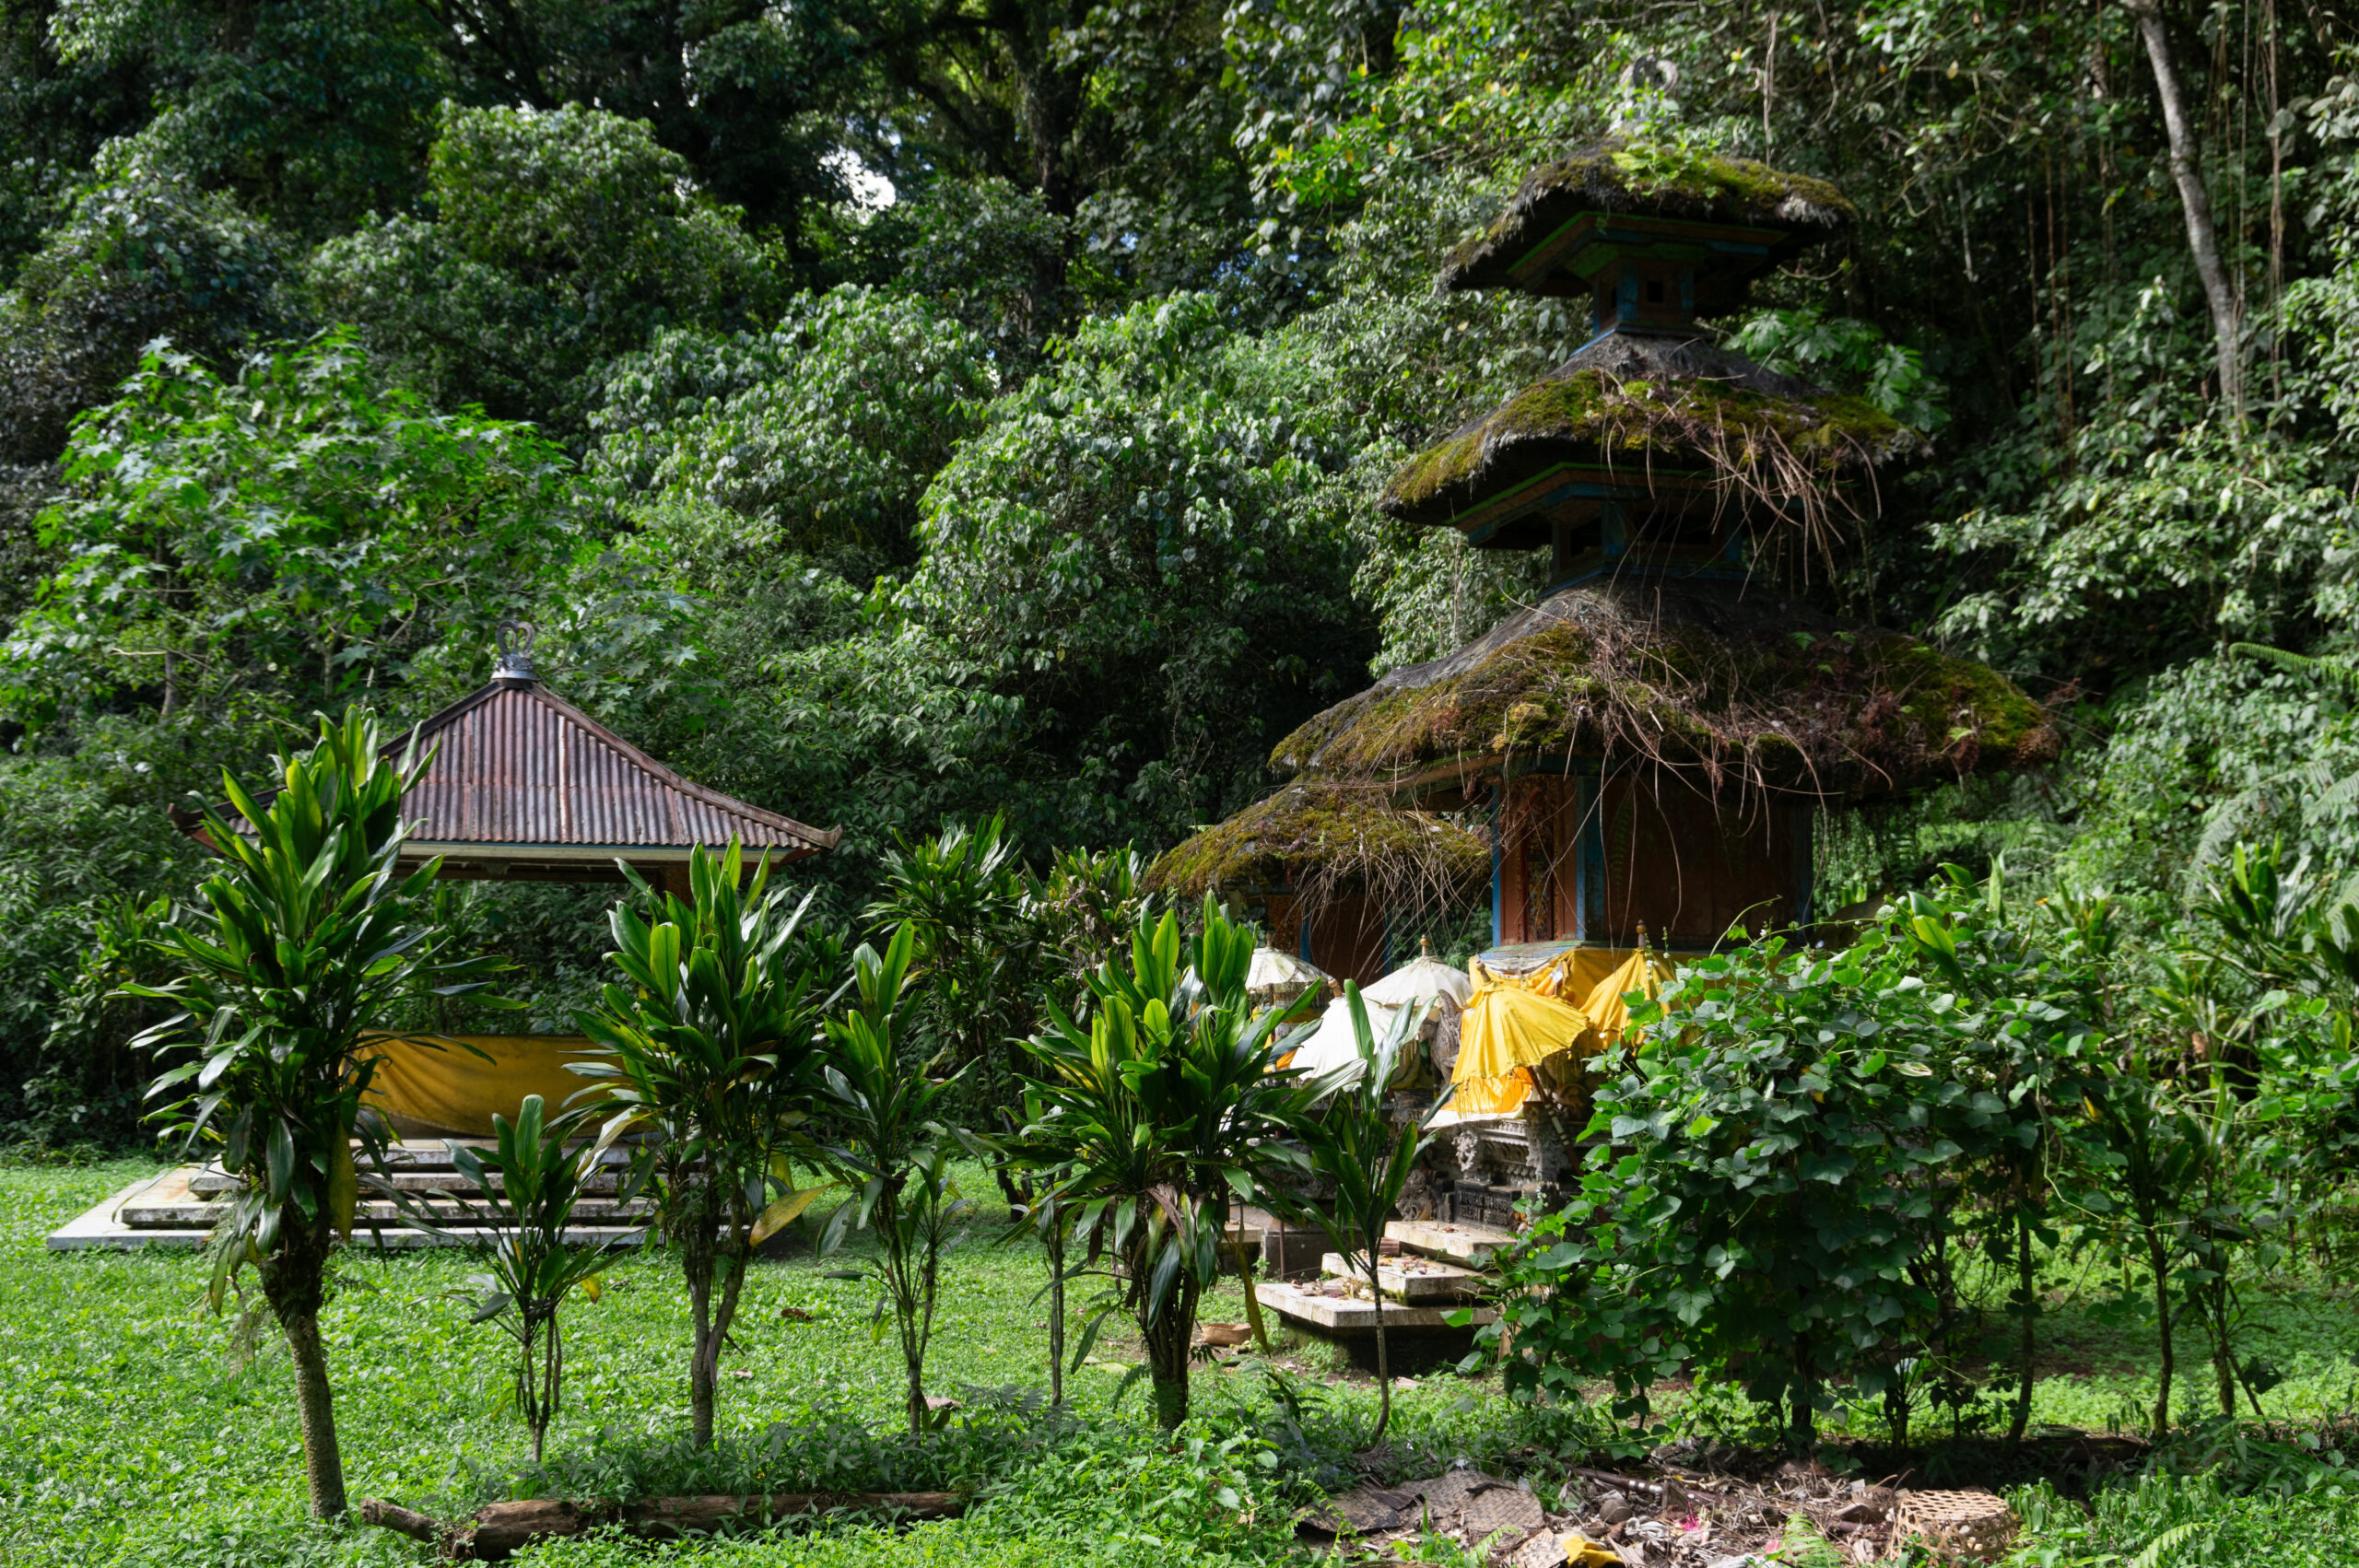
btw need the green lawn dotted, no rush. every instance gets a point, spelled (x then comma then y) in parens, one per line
(139, 1438)
(137, 1434)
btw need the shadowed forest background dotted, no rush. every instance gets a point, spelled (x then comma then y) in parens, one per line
(896, 411)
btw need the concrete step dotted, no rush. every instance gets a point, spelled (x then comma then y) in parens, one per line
(420, 1164)
(212, 1182)
(1470, 1245)
(146, 1213)
(1348, 1315)
(174, 1221)
(1412, 1281)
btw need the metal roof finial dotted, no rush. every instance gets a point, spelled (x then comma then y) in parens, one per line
(514, 641)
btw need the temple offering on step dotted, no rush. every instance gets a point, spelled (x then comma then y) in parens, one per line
(1636, 763)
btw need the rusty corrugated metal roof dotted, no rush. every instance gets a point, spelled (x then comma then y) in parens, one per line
(515, 764)
(521, 776)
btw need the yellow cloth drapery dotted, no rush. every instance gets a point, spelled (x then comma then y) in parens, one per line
(1514, 1024)
(1574, 974)
(452, 1092)
(1606, 1010)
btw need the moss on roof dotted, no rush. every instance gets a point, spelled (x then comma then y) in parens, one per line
(1325, 833)
(1699, 677)
(1653, 179)
(1774, 444)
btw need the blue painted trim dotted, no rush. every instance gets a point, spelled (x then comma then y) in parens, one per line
(1498, 865)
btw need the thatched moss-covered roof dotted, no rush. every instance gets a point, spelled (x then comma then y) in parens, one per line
(1327, 834)
(1655, 414)
(1716, 679)
(1654, 182)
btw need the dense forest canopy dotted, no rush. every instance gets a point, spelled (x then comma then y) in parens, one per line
(890, 410)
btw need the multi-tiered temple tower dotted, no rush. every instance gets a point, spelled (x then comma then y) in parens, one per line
(1649, 744)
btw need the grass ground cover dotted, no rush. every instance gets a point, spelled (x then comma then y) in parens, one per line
(140, 1433)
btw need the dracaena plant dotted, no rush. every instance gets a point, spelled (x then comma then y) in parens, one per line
(1359, 1151)
(519, 1223)
(708, 1063)
(1153, 1116)
(309, 936)
(883, 1143)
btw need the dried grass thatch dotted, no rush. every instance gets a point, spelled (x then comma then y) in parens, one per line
(1729, 686)
(1665, 416)
(1321, 838)
(1623, 176)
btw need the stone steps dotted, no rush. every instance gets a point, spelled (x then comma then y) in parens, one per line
(211, 1181)
(1331, 1316)
(178, 1209)
(1414, 1282)
(1432, 1284)
(1468, 1245)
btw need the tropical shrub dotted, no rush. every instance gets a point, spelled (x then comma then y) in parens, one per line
(308, 940)
(1364, 1156)
(1787, 1176)
(1151, 1117)
(528, 1185)
(960, 896)
(879, 1141)
(710, 1060)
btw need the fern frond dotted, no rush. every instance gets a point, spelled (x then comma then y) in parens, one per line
(2339, 671)
(2161, 1547)
(2338, 798)
(2229, 819)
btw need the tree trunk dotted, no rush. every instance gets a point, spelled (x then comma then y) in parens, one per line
(1168, 1340)
(2159, 1261)
(2187, 170)
(1383, 1363)
(323, 1463)
(1252, 1302)
(2027, 1334)
(913, 1336)
(704, 1355)
(1056, 1313)
(1802, 1437)
(2223, 1358)
(294, 1282)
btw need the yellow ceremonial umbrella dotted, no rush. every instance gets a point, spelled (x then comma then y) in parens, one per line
(1604, 1005)
(1508, 1030)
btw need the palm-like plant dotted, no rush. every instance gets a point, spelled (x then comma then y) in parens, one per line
(882, 1143)
(307, 941)
(1366, 1157)
(529, 1187)
(711, 1057)
(1151, 1117)
(959, 894)
(1085, 904)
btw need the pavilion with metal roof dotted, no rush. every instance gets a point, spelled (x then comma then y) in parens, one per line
(523, 786)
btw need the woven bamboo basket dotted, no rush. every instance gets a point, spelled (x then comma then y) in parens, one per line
(1970, 1523)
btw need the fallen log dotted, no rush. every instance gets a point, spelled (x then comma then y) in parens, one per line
(497, 1529)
